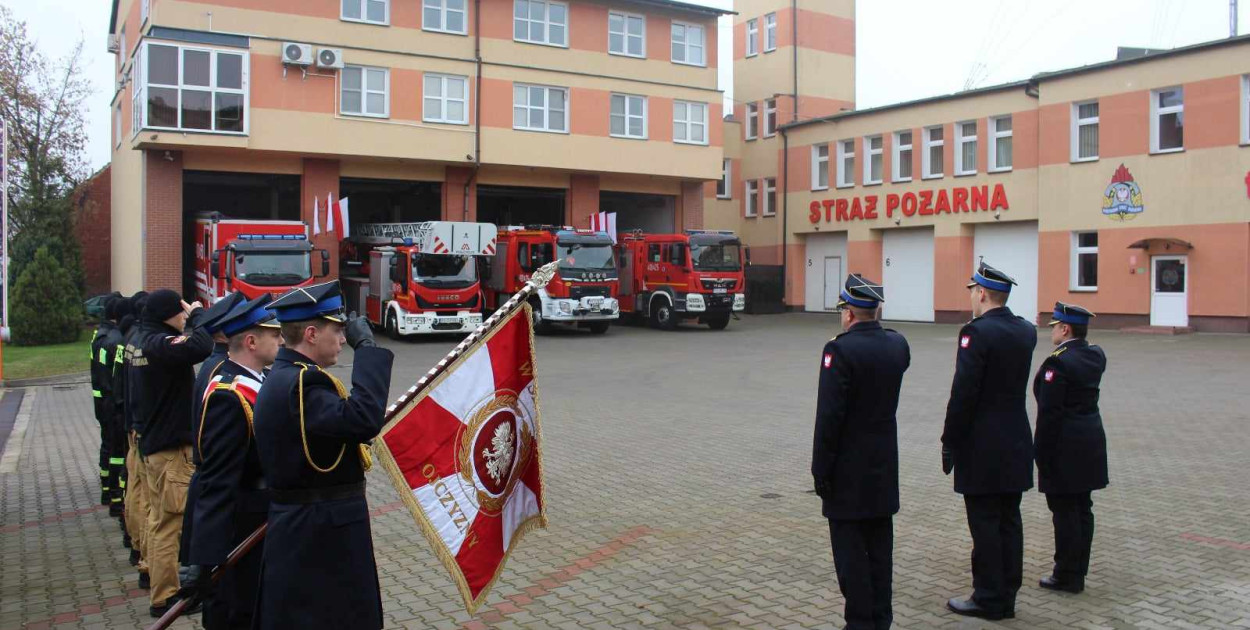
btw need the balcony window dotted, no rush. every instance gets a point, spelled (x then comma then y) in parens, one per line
(192, 89)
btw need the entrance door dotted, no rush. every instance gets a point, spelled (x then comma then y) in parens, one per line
(833, 281)
(1169, 297)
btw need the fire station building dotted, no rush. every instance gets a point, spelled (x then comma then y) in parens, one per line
(1123, 186)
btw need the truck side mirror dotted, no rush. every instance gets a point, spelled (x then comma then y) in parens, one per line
(325, 263)
(747, 253)
(214, 267)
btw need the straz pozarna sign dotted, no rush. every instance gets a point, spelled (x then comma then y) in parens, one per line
(925, 203)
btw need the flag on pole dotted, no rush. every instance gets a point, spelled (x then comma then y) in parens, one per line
(341, 218)
(329, 212)
(465, 452)
(316, 216)
(604, 222)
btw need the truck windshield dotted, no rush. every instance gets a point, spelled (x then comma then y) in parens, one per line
(272, 269)
(442, 270)
(715, 257)
(586, 257)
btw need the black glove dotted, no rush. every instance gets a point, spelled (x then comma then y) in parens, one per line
(821, 488)
(948, 461)
(197, 582)
(359, 334)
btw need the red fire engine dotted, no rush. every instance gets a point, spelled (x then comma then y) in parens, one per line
(584, 290)
(253, 257)
(671, 277)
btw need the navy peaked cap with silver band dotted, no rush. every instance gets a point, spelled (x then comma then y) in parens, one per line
(861, 292)
(249, 315)
(1070, 314)
(992, 279)
(304, 303)
(214, 314)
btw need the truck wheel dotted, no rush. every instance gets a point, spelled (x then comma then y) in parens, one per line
(536, 318)
(598, 328)
(392, 327)
(663, 316)
(717, 322)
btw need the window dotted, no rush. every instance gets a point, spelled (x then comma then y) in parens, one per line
(117, 124)
(688, 44)
(753, 121)
(626, 33)
(1000, 144)
(753, 197)
(629, 116)
(820, 167)
(966, 148)
(1084, 261)
(371, 11)
(540, 108)
(770, 197)
(444, 16)
(191, 89)
(770, 32)
(366, 92)
(446, 99)
(689, 122)
(540, 22)
(901, 161)
(1085, 131)
(770, 118)
(1167, 129)
(873, 159)
(846, 163)
(933, 161)
(1245, 109)
(137, 95)
(723, 187)
(753, 38)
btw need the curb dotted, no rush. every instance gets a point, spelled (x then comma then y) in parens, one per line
(58, 379)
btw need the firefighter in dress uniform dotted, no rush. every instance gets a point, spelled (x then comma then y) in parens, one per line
(101, 395)
(232, 500)
(1071, 444)
(311, 434)
(855, 452)
(988, 443)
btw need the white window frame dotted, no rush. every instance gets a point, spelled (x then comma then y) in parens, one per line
(1074, 276)
(546, 108)
(625, 18)
(870, 153)
(960, 141)
(689, 123)
(896, 154)
(546, 21)
(991, 150)
(1077, 123)
(753, 121)
(820, 166)
(702, 46)
(769, 119)
(1245, 109)
(770, 32)
(846, 174)
(627, 116)
(364, 13)
(753, 37)
(443, 99)
(365, 92)
(441, 7)
(750, 209)
(726, 179)
(1157, 113)
(769, 198)
(139, 102)
(926, 167)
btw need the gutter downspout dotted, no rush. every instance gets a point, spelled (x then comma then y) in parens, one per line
(477, 105)
(794, 44)
(785, 215)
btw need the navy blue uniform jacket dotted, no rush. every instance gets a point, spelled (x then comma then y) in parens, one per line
(1071, 444)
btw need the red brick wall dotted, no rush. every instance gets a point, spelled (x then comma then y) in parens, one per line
(453, 195)
(582, 202)
(93, 202)
(691, 206)
(321, 178)
(162, 240)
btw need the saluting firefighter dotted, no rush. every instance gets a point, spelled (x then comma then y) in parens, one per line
(1071, 444)
(319, 570)
(988, 442)
(855, 452)
(232, 500)
(101, 394)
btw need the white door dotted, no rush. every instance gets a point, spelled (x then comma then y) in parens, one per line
(1169, 297)
(816, 279)
(907, 273)
(1012, 249)
(833, 281)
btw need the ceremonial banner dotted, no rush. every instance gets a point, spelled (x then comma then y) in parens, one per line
(465, 452)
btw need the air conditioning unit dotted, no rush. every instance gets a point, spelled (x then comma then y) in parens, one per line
(330, 58)
(297, 54)
(114, 44)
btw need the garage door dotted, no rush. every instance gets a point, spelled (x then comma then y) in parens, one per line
(1012, 248)
(907, 267)
(824, 271)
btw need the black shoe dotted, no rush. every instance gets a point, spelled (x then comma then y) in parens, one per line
(1053, 583)
(145, 581)
(969, 608)
(134, 557)
(159, 611)
(116, 510)
(126, 541)
(105, 499)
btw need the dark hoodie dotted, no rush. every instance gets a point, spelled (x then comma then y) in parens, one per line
(165, 359)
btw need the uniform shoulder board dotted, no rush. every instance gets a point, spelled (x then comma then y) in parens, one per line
(1058, 352)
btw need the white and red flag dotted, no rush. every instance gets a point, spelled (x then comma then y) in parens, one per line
(465, 452)
(337, 215)
(604, 222)
(316, 216)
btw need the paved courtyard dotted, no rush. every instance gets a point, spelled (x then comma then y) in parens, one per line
(677, 481)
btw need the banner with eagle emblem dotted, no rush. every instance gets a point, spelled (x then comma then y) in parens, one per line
(464, 452)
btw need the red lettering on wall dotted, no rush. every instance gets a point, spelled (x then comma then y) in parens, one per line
(909, 198)
(828, 203)
(922, 202)
(943, 203)
(870, 207)
(841, 210)
(856, 211)
(960, 196)
(891, 202)
(980, 195)
(814, 214)
(999, 202)
(926, 203)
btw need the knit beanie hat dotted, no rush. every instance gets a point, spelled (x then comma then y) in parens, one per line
(162, 305)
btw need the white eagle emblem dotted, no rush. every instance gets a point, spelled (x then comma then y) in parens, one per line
(499, 456)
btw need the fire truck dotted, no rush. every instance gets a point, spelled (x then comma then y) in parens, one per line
(425, 281)
(583, 292)
(253, 257)
(671, 277)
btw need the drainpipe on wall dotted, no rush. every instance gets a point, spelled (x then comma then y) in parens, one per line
(785, 215)
(794, 44)
(477, 105)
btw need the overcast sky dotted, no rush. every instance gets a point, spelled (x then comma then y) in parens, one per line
(938, 48)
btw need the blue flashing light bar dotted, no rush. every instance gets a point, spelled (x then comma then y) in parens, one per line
(271, 237)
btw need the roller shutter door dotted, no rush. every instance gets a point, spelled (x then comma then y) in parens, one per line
(907, 267)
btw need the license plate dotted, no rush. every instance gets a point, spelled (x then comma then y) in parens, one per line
(449, 320)
(719, 291)
(596, 302)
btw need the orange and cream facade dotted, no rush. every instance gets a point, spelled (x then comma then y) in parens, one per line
(1122, 186)
(505, 111)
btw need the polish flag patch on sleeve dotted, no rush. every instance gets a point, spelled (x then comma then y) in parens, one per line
(965, 341)
(1049, 376)
(828, 360)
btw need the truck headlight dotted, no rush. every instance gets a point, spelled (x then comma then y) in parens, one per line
(694, 302)
(566, 308)
(740, 301)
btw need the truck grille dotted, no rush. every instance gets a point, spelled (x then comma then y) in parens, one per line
(578, 292)
(723, 283)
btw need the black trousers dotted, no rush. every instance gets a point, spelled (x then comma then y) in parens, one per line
(863, 555)
(1073, 516)
(997, 549)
